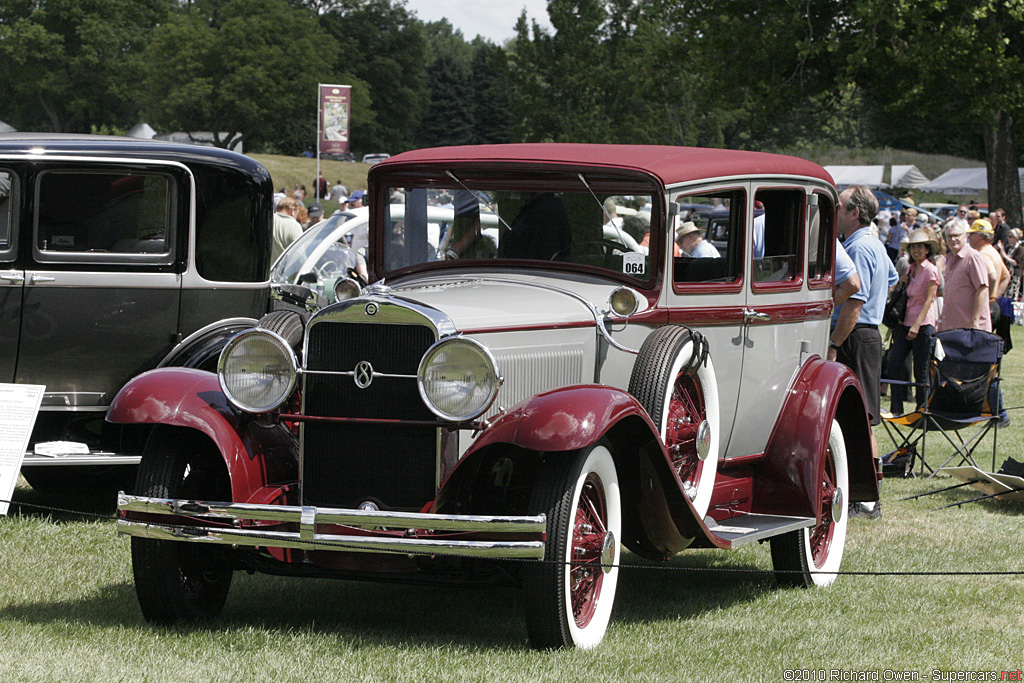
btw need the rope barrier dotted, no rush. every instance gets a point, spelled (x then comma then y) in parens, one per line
(662, 567)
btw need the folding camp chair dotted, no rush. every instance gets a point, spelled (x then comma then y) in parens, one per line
(963, 394)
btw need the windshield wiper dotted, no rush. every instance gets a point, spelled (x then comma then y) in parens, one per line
(607, 215)
(482, 198)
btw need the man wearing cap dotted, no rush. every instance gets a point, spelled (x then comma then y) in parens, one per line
(693, 244)
(855, 340)
(315, 213)
(965, 295)
(981, 235)
(355, 200)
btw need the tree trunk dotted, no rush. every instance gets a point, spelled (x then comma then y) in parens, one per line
(1001, 164)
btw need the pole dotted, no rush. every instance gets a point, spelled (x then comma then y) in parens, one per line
(319, 135)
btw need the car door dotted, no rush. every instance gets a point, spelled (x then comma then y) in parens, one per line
(12, 277)
(775, 334)
(708, 292)
(102, 287)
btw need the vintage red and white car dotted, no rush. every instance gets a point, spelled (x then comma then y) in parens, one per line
(520, 403)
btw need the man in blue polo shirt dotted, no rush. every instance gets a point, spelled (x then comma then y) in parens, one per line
(855, 340)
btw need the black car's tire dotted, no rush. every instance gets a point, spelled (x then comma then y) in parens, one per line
(680, 393)
(800, 558)
(569, 597)
(180, 580)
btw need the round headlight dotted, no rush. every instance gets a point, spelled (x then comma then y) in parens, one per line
(257, 370)
(458, 379)
(624, 302)
(346, 288)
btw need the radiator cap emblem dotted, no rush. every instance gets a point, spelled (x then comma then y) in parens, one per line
(371, 308)
(363, 374)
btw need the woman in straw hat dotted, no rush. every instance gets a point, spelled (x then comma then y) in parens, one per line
(915, 332)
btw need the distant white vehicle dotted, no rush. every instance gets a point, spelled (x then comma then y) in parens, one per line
(375, 158)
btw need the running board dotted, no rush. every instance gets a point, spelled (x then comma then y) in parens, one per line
(753, 527)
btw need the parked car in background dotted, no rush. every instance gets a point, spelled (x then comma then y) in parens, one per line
(939, 209)
(118, 256)
(518, 408)
(375, 158)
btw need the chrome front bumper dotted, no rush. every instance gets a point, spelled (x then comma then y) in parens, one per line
(418, 528)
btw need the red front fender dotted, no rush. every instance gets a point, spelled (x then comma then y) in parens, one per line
(563, 419)
(658, 518)
(255, 454)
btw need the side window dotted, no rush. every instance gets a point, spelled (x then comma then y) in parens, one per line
(820, 238)
(778, 233)
(6, 210)
(708, 231)
(104, 217)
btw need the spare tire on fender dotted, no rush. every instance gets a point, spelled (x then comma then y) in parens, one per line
(674, 380)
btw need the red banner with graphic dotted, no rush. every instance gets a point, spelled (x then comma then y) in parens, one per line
(335, 101)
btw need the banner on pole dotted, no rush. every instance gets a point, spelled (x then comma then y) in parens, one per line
(334, 118)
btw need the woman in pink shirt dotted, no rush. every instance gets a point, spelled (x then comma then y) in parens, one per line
(915, 334)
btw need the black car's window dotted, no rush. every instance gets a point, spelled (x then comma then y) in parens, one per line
(104, 217)
(6, 209)
(708, 233)
(777, 238)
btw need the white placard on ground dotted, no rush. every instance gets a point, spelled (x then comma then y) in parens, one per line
(19, 405)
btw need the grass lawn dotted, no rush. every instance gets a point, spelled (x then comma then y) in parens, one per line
(286, 171)
(68, 609)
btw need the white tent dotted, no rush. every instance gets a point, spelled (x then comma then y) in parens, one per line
(844, 176)
(907, 176)
(142, 130)
(7, 128)
(960, 181)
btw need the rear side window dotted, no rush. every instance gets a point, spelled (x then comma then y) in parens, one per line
(105, 217)
(820, 239)
(778, 236)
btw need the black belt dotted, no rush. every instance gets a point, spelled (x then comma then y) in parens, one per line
(861, 326)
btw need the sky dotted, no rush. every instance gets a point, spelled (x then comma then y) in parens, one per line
(492, 19)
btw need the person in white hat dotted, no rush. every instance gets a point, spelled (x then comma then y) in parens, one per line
(692, 242)
(914, 334)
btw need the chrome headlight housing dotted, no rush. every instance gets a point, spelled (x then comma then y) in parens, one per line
(257, 370)
(458, 379)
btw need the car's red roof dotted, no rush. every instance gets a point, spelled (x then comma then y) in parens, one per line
(670, 164)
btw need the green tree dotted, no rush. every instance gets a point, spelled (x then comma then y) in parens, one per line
(956, 63)
(381, 43)
(250, 67)
(69, 65)
(449, 116)
(491, 104)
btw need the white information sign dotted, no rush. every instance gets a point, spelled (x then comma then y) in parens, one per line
(19, 405)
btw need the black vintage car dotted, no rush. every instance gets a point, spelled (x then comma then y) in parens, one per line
(118, 256)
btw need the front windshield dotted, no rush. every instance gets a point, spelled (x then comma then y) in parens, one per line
(287, 268)
(549, 219)
(321, 256)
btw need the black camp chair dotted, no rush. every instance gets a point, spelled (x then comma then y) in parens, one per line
(963, 396)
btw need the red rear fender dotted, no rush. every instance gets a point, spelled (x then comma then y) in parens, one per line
(786, 482)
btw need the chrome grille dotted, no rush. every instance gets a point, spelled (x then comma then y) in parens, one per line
(345, 464)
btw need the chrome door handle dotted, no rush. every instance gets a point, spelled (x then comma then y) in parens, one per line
(13, 278)
(750, 316)
(41, 278)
